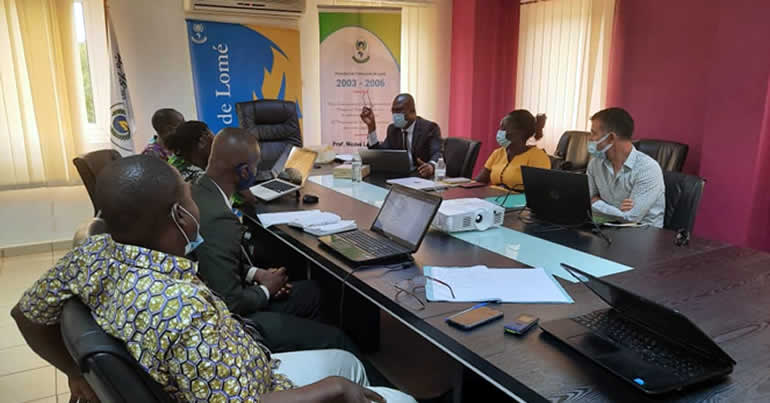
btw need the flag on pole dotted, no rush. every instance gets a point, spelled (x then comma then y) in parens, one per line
(121, 112)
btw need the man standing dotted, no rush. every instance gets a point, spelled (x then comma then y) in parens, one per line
(624, 183)
(419, 137)
(164, 121)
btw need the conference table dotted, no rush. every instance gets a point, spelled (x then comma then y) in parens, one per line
(724, 289)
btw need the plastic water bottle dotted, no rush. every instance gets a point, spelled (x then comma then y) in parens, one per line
(356, 176)
(440, 173)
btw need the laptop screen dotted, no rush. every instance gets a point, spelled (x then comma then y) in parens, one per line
(405, 215)
(671, 324)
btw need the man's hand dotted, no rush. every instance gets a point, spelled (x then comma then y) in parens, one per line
(626, 205)
(283, 292)
(273, 279)
(248, 197)
(80, 390)
(350, 392)
(367, 116)
(595, 199)
(424, 169)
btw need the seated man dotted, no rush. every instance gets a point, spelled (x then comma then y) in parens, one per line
(420, 137)
(624, 183)
(164, 121)
(153, 223)
(284, 312)
(190, 144)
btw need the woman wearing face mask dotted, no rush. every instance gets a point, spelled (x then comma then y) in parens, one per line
(503, 167)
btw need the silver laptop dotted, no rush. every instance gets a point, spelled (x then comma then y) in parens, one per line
(298, 158)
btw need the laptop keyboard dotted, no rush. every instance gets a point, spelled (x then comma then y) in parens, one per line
(278, 186)
(377, 247)
(634, 337)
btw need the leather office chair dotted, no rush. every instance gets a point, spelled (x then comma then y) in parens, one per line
(669, 154)
(683, 193)
(460, 155)
(104, 361)
(89, 166)
(275, 124)
(571, 152)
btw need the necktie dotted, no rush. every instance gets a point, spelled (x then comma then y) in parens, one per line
(405, 138)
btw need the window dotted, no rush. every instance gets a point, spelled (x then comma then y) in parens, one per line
(85, 68)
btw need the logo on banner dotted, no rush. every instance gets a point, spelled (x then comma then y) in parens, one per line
(362, 52)
(198, 37)
(119, 126)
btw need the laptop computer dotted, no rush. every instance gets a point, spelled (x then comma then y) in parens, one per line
(394, 162)
(300, 159)
(397, 231)
(555, 196)
(653, 348)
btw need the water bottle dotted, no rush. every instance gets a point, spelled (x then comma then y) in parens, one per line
(356, 176)
(440, 173)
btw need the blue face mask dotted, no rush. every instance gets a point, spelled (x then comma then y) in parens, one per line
(399, 120)
(191, 245)
(593, 148)
(247, 182)
(502, 138)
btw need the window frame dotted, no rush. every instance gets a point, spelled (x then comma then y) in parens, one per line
(96, 135)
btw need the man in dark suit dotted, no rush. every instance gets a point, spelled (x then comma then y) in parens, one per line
(284, 313)
(420, 137)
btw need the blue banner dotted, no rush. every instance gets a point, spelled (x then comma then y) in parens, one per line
(234, 63)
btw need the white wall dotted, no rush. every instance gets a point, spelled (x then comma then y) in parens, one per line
(153, 43)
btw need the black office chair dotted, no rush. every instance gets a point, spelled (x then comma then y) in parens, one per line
(669, 154)
(104, 361)
(275, 123)
(683, 193)
(571, 152)
(460, 155)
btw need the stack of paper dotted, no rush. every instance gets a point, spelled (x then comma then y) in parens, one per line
(417, 183)
(314, 222)
(479, 283)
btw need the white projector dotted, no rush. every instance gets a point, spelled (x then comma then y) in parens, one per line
(468, 215)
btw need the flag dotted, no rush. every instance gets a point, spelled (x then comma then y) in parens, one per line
(121, 112)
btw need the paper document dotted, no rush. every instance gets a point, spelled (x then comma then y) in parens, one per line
(479, 283)
(270, 219)
(329, 229)
(417, 183)
(322, 223)
(344, 157)
(456, 181)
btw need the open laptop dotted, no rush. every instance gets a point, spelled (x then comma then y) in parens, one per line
(555, 196)
(397, 231)
(654, 348)
(300, 159)
(394, 162)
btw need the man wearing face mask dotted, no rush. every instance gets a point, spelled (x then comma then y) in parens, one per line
(284, 312)
(142, 291)
(624, 183)
(419, 137)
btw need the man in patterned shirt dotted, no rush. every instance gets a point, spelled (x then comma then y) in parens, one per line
(164, 121)
(142, 291)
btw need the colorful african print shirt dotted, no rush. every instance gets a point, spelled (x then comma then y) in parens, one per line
(172, 324)
(154, 149)
(190, 173)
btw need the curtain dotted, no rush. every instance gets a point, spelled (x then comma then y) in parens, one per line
(563, 60)
(39, 93)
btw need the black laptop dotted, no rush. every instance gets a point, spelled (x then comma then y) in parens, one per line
(394, 162)
(654, 348)
(556, 196)
(398, 230)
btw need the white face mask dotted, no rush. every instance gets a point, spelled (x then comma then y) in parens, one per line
(594, 145)
(502, 138)
(191, 245)
(399, 120)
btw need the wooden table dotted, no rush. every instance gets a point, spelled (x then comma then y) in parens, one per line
(722, 288)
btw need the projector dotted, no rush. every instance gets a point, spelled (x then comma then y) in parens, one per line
(468, 215)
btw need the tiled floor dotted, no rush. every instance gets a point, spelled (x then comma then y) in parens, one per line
(24, 377)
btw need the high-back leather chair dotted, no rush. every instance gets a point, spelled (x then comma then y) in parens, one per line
(683, 193)
(460, 155)
(275, 124)
(104, 361)
(669, 154)
(89, 166)
(572, 152)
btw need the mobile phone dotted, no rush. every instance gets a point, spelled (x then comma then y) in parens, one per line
(475, 317)
(472, 184)
(521, 324)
